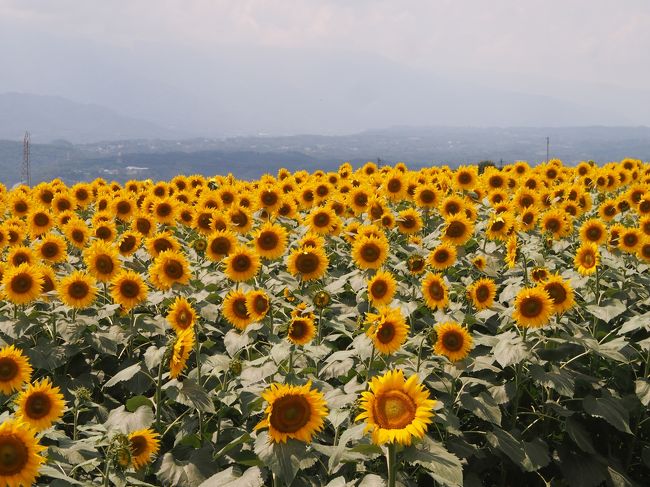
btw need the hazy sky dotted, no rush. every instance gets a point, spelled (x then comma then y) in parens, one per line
(582, 51)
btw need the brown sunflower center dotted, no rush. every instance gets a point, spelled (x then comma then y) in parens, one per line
(609, 210)
(78, 290)
(379, 288)
(13, 455)
(41, 219)
(22, 283)
(138, 445)
(482, 293)
(452, 207)
(436, 291)
(531, 306)
(370, 252)
(21, 207)
(394, 185)
(123, 208)
(644, 206)
(553, 224)
(386, 332)
(129, 289)
(127, 244)
(162, 244)
(260, 304)
(269, 198)
(307, 262)
(415, 263)
(268, 240)
(298, 329)
(47, 196)
(321, 220)
(78, 236)
(557, 292)
(588, 259)
(8, 369)
(227, 197)
(241, 263)
(408, 221)
(290, 413)
(239, 308)
(455, 229)
(174, 269)
(48, 284)
(394, 410)
(143, 226)
(594, 233)
(38, 405)
(361, 199)
(452, 341)
(630, 239)
(19, 258)
(441, 256)
(498, 225)
(103, 232)
(63, 205)
(50, 250)
(164, 210)
(220, 246)
(184, 318)
(427, 196)
(104, 264)
(464, 177)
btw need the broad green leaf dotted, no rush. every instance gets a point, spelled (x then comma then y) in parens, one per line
(122, 420)
(636, 323)
(232, 477)
(135, 402)
(189, 393)
(442, 466)
(282, 458)
(579, 435)
(607, 312)
(610, 409)
(510, 349)
(124, 375)
(483, 405)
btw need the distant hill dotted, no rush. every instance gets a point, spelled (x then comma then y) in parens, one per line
(52, 117)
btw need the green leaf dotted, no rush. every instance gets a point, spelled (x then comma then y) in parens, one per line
(607, 312)
(610, 409)
(642, 389)
(232, 477)
(282, 458)
(121, 420)
(510, 349)
(183, 473)
(483, 406)
(579, 435)
(55, 473)
(636, 323)
(529, 455)
(235, 341)
(135, 402)
(124, 374)
(189, 393)
(558, 379)
(442, 466)
(153, 356)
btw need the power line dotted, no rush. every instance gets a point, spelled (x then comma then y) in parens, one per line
(25, 173)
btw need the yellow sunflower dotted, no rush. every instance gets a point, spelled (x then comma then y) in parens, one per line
(587, 259)
(160, 242)
(181, 315)
(242, 264)
(257, 304)
(593, 231)
(482, 293)
(539, 274)
(271, 241)
(369, 252)
(322, 220)
(458, 229)
(301, 329)
(443, 256)
(144, 446)
(434, 290)
(40, 221)
(181, 352)
(20, 254)
(235, 310)
(629, 240)
(77, 290)
(381, 288)
(296, 412)
(220, 244)
(128, 289)
(169, 268)
(308, 263)
(52, 248)
(129, 243)
(512, 247)
(102, 260)
(22, 284)
(409, 221)
(560, 292)
(479, 262)
(453, 341)
(77, 232)
(40, 405)
(15, 369)
(533, 307)
(20, 454)
(396, 410)
(387, 329)
(556, 223)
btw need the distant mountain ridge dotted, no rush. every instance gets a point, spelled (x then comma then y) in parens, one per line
(52, 117)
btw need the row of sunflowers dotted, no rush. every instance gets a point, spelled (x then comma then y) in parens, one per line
(359, 327)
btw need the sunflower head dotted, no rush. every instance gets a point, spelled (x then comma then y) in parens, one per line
(40, 405)
(181, 350)
(242, 264)
(435, 292)
(533, 307)
(587, 258)
(453, 341)
(22, 284)
(301, 330)
(181, 314)
(235, 309)
(370, 252)
(381, 288)
(20, 454)
(144, 445)
(322, 299)
(443, 256)
(482, 293)
(15, 369)
(77, 290)
(560, 292)
(387, 329)
(257, 304)
(308, 262)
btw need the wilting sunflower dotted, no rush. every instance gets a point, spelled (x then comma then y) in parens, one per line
(169, 268)
(128, 289)
(369, 252)
(443, 256)
(396, 410)
(458, 229)
(301, 329)
(40, 405)
(387, 329)
(257, 304)
(22, 284)
(482, 293)
(181, 352)
(593, 231)
(181, 315)
(20, 454)
(587, 259)
(533, 307)
(308, 263)
(434, 290)
(52, 248)
(242, 264)
(144, 445)
(296, 412)
(15, 369)
(235, 310)
(102, 260)
(560, 292)
(409, 221)
(271, 241)
(77, 290)
(381, 288)
(453, 341)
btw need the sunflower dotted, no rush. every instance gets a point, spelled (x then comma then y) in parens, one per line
(105, 230)
(499, 226)
(396, 410)
(369, 252)
(630, 240)
(607, 210)
(453, 341)
(77, 232)
(161, 242)
(20, 454)
(443, 256)
(512, 247)
(239, 220)
(387, 329)
(482, 293)
(169, 268)
(22, 284)
(301, 329)
(52, 248)
(394, 187)
(181, 315)
(143, 224)
(533, 307)
(587, 259)
(293, 412)
(555, 222)
(409, 221)
(235, 309)
(434, 290)
(129, 243)
(77, 290)
(128, 289)
(242, 264)
(15, 369)
(479, 262)
(466, 177)
(102, 260)
(322, 220)
(560, 292)
(40, 405)
(311, 239)
(123, 207)
(539, 274)
(20, 254)
(426, 196)
(181, 352)
(308, 263)
(271, 241)
(358, 199)
(527, 220)
(594, 231)
(144, 445)
(381, 288)
(40, 221)
(257, 304)
(458, 229)
(164, 211)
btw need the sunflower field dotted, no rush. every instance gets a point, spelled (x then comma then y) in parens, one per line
(368, 327)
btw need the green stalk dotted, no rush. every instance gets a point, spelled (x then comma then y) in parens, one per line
(106, 471)
(417, 368)
(197, 351)
(372, 358)
(159, 392)
(391, 460)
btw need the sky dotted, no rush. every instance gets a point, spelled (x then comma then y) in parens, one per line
(589, 57)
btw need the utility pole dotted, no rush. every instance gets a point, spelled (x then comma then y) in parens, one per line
(548, 139)
(25, 173)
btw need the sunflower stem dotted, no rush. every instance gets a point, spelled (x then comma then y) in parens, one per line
(391, 460)
(197, 352)
(107, 481)
(159, 392)
(417, 368)
(372, 359)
